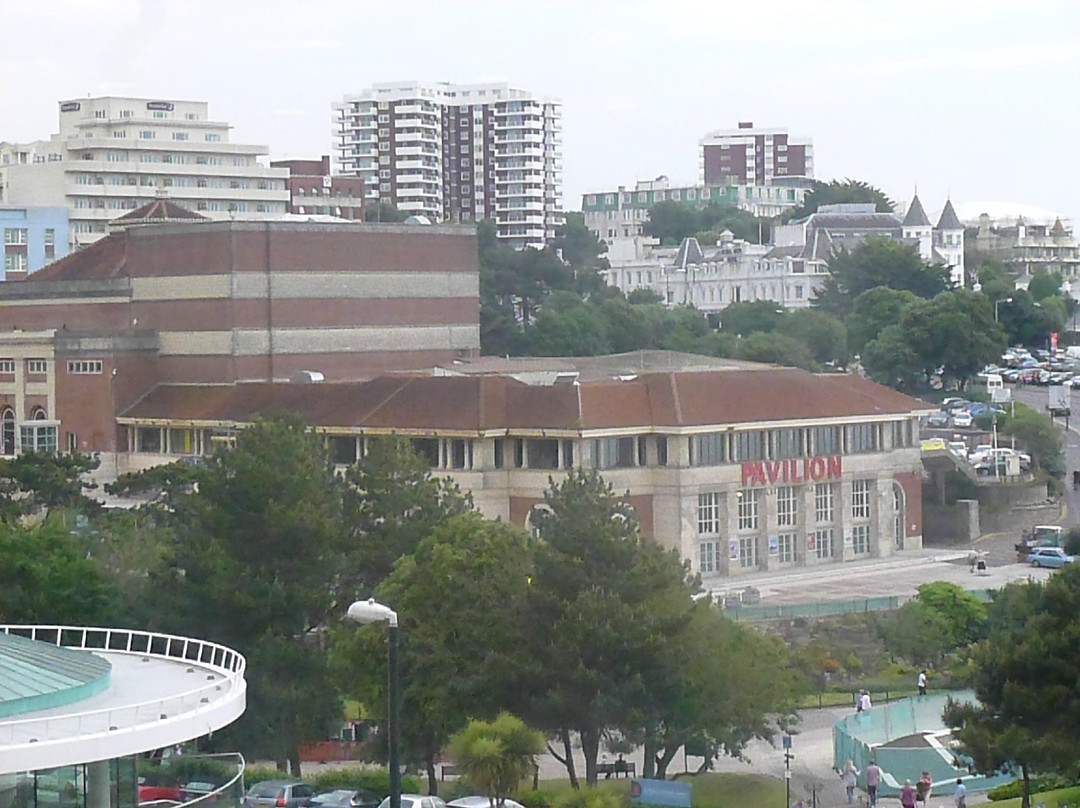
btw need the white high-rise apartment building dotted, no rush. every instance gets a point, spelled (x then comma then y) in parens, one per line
(457, 152)
(114, 154)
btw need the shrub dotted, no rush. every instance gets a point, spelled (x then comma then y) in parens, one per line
(535, 799)
(1039, 783)
(376, 780)
(592, 798)
(257, 774)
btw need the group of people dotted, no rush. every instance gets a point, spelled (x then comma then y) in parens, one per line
(910, 796)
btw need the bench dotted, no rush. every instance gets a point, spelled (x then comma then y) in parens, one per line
(623, 768)
(449, 771)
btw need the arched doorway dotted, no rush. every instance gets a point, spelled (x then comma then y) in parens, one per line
(7, 432)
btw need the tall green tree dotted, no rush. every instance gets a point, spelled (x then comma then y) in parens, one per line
(840, 191)
(583, 252)
(873, 311)
(594, 602)
(36, 482)
(775, 349)
(747, 317)
(878, 261)
(823, 334)
(890, 359)
(259, 544)
(956, 331)
(47, 576)
(1027, 713)
(391, 502)
(461, 599)
(1044, 285)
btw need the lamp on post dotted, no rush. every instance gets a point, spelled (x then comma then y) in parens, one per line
(368, 611)
(997, 304)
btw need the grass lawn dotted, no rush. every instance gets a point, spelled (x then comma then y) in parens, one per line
(711, 790)
(1051, 799)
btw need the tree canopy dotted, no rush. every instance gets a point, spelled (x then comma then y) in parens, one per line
(671, 222)
(840, 191)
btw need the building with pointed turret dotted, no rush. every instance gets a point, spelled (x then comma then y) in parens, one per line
(942, 243)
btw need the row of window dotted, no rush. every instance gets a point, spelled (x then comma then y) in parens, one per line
(179, 182)
(716, 448)
(746, 553)
(776, 194)
(749, 500)
(39, 367)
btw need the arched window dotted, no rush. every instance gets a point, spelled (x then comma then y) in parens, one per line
(39, 414)
(7, 433)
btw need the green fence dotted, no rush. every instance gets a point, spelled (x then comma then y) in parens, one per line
(791, 611)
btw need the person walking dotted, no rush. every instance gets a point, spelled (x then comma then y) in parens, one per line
(922, 686)
(907, 795)
(863, 704)
(799, 803)
(849, 776)
(960, 795)
(923, 788)
(873, 780)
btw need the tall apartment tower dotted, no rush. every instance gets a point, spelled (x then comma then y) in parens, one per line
(457, 152)
(113, 155)
(750, 155)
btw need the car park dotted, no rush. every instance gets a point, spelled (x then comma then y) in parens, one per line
(962, 420)
(279, 794)
(156, 786)
(958, 448)
(1052, 557)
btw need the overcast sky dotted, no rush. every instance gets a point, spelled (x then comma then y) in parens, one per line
(978, 99)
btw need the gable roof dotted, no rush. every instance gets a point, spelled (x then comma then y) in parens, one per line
(472, 404)
(157, 211)
(948, 219)
(689, 253)
(916, 216)
(105, 258)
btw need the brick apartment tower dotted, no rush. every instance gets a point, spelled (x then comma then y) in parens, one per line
(753, 156)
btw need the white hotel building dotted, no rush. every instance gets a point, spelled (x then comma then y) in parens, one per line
(113, 155)
(457, 152)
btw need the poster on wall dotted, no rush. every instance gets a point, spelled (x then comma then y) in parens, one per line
(774, 545)
(733, 548)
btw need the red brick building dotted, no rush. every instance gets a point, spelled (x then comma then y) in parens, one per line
(226, 302)
(314, 191)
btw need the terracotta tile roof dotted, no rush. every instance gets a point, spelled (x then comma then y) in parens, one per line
(105, 258)
(492, 403)
(158, 210)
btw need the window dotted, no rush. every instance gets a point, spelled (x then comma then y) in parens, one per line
(749, 446)
(826, 440)
(7, 434)
(38, 366)
(823, 543)
(7, 365)
(823, 502)
(787, 443)
(15, 262)
(748, 508)
(543, 454)
(84, 366)
(661, 450)
(786, 547)
(37, 437)
(707, 450)
(900, 434)
(125, 113)
(787, 506)
(611, 453)
(748, 552)
(707, 556)
(146, 134)
(119, 133)
(15, 235)
(179, 135)
(212, 137)
(860, 539)
(861, 437)
(860, 499)
(708, 510)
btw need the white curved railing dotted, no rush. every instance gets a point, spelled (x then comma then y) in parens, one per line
(227, 674)
(234, 787)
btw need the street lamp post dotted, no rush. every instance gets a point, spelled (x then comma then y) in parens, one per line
(368, 611)
(997, 304)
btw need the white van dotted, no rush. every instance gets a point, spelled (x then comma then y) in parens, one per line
(994, 382)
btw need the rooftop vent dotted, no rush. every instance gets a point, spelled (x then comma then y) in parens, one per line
(418, 219)
(308, 377)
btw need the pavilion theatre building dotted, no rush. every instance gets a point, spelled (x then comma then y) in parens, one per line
(741, 467)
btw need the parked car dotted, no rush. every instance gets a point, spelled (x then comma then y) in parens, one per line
(1052, 557)
(958, 448)
(416, 801)
(962, 420)
(195, 789)
(347, 798)
(481, 802)
(938, 420)
(279, 794)
(155, 786)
